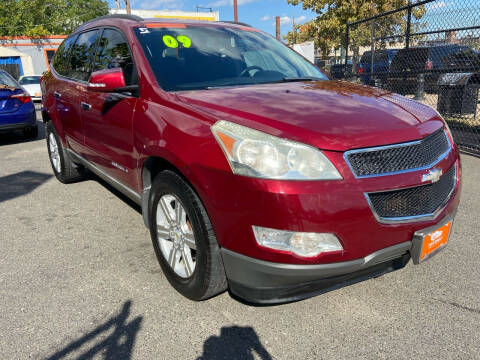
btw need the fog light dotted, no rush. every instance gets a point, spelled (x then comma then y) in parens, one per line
(299, 243)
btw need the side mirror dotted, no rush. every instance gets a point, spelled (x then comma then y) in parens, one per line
(108, 80)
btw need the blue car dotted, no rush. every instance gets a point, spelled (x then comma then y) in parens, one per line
(17, 111)
(381, 65)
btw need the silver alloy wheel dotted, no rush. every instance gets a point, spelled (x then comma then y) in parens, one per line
(54, 153)
(175, 236)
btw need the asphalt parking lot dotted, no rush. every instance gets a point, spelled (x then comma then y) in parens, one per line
(79, 279)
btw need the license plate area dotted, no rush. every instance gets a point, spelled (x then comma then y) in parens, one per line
(428, 242)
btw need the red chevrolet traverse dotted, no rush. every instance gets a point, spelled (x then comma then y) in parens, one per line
(254, 171)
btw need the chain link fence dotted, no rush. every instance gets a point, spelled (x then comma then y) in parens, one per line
(428, 51)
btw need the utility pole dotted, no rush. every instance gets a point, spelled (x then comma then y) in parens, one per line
(235, 10)
(277, 25)
(127, 6)
(372, 52)
(294, 31)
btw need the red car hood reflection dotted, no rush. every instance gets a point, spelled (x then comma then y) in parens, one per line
(330, 115)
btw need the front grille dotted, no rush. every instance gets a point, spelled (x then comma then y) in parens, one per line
(398, 158)
(416, 201)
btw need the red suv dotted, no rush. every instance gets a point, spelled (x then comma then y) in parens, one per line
(254, 171)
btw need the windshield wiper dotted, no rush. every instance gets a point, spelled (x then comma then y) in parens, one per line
(237, 83)
(294, 79)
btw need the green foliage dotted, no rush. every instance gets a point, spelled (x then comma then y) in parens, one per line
(328, 29)
(47, 17)
(476, 44)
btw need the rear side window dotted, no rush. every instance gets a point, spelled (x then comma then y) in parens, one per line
(60, 61)
(379, 56)
(439, 54)
(7, 80)
(414, 58)
(113, 52)
(366, 57)
(82, 54)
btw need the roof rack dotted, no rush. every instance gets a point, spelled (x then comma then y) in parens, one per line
(119, 16)
(111, 16)
(236, 23)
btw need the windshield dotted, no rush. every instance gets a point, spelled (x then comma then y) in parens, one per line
(29, 80)
(202, 57)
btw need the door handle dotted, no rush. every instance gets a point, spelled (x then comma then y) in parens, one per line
(57, 94)
(86, 106)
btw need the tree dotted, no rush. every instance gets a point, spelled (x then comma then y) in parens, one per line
(328, 29)
(47, 17)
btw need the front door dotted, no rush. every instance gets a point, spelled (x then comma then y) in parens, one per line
(108, 117)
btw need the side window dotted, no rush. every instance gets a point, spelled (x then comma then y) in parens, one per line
(82, 54)
(60, 61)
(113, 52)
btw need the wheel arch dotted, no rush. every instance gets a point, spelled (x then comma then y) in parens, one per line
(45, 116)
(151, 167)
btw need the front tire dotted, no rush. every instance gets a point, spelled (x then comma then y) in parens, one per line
(64, 169)
(184, 240)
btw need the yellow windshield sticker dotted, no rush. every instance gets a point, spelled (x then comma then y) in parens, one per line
(184, 40)
(170, 41)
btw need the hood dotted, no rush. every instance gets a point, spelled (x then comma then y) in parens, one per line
(330, 115)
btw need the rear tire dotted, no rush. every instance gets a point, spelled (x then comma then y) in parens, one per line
(31, 132)
(64, 169)
(204, 277)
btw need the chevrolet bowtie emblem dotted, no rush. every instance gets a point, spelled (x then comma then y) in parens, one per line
(433, 175)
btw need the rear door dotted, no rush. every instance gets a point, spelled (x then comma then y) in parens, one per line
(108, 117)
(53, 85)
(71, 89)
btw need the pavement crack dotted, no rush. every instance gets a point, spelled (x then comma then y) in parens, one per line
(475, 311)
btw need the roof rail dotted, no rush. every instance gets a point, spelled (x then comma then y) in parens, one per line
(119, 16)
(111, 16)
(237, 23)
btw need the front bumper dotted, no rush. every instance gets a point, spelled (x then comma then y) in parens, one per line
(259, 281)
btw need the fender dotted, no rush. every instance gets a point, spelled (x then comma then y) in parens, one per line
(154, 160)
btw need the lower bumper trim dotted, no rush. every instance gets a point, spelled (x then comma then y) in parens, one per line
(261, 281)
(302, 291)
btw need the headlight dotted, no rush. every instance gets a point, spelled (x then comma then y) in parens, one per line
(299, 243)
(256, 154)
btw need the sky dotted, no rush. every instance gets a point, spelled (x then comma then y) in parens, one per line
(258, 13)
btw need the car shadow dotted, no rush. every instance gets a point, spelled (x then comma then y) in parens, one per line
(234, 342)
(20, 184)
(118, 345)
(16, 137)
(121, 196)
